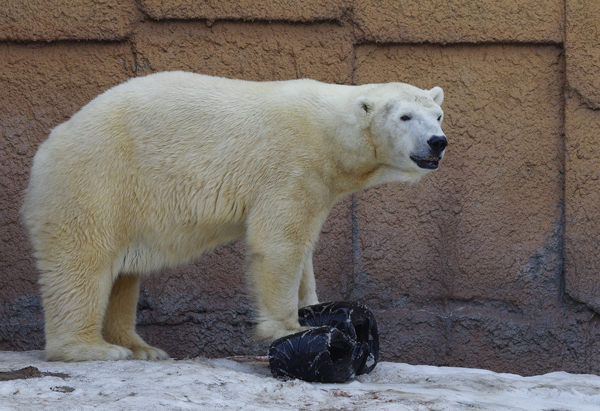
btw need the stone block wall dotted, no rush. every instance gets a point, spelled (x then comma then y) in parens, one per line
(490, 262)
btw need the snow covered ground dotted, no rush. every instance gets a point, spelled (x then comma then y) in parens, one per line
(220, 384)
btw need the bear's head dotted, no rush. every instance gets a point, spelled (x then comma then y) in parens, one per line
(404, 124)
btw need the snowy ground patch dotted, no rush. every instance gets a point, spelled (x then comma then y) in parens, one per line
(220, 384)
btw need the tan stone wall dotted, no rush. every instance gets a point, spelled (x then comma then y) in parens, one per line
(490, 262)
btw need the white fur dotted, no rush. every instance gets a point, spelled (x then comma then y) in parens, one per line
(162, 168)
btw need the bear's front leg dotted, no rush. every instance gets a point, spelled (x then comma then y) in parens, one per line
(275, 265)
(307, 294)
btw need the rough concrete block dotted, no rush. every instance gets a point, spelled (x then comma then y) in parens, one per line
(258, 51)
(460, 21)
(486, 226)
(42, 20)
(205, 308)
(41, 86)
(582, 241)
(289, 10)
(474, 336)
(582, 46)
(186, 298)
(582, 192)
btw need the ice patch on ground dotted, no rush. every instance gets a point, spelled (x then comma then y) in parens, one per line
(220, 384)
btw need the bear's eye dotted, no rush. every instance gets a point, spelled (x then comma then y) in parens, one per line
(440, 118)
(405, 118)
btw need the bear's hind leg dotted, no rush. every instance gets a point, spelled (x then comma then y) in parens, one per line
(119, 321)
(74, 304)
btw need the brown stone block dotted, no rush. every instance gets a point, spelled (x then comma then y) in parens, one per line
(201, 309)
(215, 285)
(42, 85)
(487, 225)
(582, 192)
(466, 335)
(213, 335)
(460, 21)
(33, 20)
(332, 259)
(258, 51)
(289, 10)
(411, 336)
(214, 282)
(48, 83)
(206, 308)
(582, 46)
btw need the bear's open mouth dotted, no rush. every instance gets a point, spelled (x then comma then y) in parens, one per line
(429, 163)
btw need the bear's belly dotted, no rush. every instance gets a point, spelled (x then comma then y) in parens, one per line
(153, 251)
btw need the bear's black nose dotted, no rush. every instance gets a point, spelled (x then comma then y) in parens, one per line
(437, 143)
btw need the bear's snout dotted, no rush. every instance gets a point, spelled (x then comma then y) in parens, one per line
(437, 144)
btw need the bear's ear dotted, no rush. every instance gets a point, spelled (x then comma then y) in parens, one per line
(437, 94)
(363, 107)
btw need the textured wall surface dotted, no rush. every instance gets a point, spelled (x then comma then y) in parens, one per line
(50, 20)
(41, 85)
(460, 21)
(582, 187)
(288, 10)
(490, 262)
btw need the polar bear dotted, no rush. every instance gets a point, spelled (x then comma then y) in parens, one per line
(162, 168)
